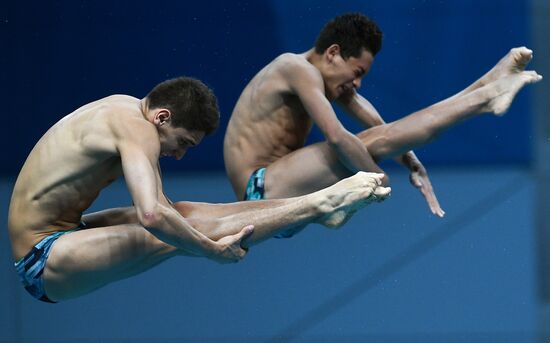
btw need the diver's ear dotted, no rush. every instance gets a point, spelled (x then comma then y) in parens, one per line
(162, 116)
(332, 51)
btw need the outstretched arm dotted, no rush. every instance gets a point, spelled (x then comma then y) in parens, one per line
(307, 83)
(139, 157)
(361, 109)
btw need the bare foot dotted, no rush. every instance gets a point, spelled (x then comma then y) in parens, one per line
(338, 218)
(344, 198)
(506, 88)
(514, 62)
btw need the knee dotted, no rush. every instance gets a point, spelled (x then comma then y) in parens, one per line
(377, 143)
(61, 257)
(185, 208)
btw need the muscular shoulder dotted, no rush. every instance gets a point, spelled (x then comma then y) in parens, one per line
(128, 125)
(298, 72)
(117, 120)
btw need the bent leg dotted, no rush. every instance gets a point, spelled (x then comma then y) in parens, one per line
(513, 62)
(85, 260)
(330, 207)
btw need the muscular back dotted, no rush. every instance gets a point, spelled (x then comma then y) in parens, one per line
(67, 169)
(268, 122)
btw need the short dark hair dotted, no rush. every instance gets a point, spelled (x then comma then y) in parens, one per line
(193, 105)
(352, 32)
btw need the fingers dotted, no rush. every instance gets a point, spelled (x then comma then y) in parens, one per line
(239, 251)
(425, 187)
(230, 247)
(246, 232)
(243, 234)
(437, 210)
(433, 202)
(434, 205)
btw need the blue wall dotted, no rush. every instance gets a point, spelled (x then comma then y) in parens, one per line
(393, 274)
(60, 55)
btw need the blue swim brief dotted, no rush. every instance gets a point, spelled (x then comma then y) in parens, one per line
(31, 267)
(256, 185)
(255, 191)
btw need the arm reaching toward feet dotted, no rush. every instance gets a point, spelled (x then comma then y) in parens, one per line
(232, 246)
(362, 110)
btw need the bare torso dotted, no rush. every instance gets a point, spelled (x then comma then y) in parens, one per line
(268, 122)
(66, 170)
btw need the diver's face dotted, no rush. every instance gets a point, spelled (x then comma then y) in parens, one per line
(344, 75)
(174, 141)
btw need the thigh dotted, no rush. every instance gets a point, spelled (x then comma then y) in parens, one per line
(304, 171)
(317, 166)
(82, 261)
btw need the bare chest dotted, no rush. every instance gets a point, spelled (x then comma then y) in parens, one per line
(291, 123)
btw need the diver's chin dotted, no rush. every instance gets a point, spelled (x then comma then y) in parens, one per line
(332, 95)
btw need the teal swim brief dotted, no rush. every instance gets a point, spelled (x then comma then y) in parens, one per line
(255, 191)
(31, 267)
